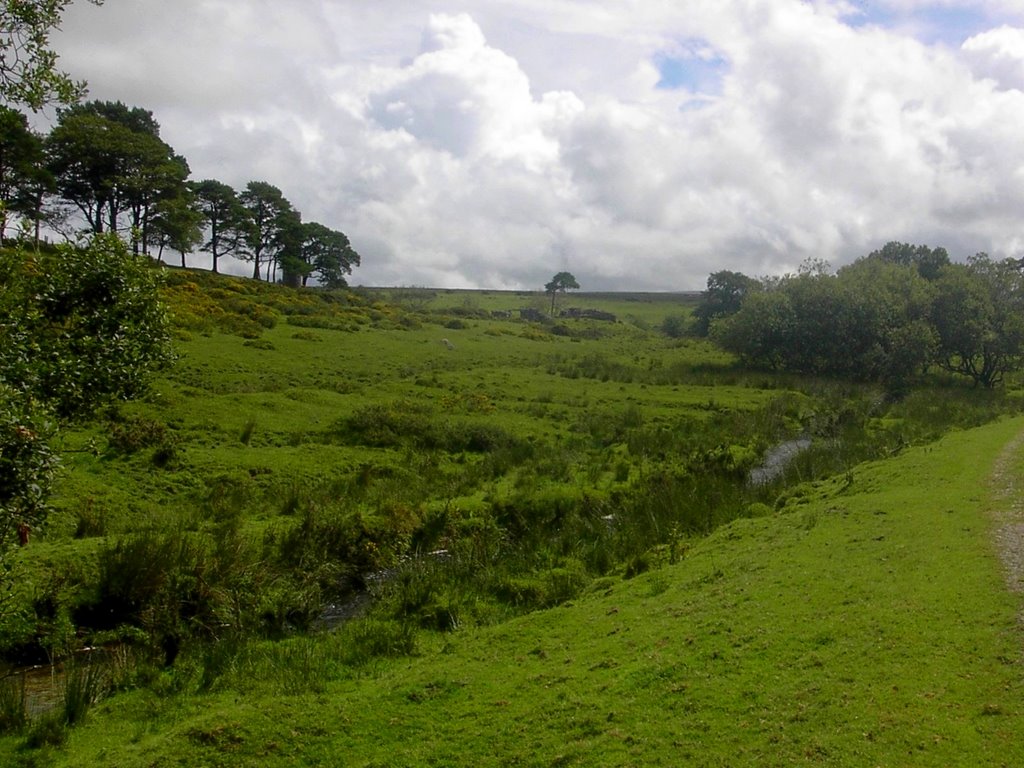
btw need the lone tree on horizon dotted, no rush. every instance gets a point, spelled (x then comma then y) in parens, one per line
(560, 283)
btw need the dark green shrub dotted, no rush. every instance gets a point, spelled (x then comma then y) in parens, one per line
(640, 563)
(90, 521)
(162, 583)
(348, 323)
(217, 659)
(134, 433)
(395, 424)
(333, 545)
(165, 456)
(502, 460)
(97, 325)
(410, 323)
(259, 344)
(477, 438)
(426, 591)
(674, 326)
(240, 326)
(259, 314)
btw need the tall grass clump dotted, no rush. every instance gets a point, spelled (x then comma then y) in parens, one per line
(13, 704)
(155, 581)
(81, 688)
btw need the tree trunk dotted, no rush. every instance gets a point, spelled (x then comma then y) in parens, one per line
(38, 216)
(112, 222)
(145, 231)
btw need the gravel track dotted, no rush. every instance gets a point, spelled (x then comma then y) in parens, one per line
(1008, 515)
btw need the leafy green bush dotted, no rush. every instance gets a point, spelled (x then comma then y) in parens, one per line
(78, 327)
(98, 328)
(27, 464)
(477, 438)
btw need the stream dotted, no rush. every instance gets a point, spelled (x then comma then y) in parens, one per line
(42, 685)
(777, 459)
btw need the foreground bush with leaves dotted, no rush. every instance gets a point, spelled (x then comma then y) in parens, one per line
(79, 327)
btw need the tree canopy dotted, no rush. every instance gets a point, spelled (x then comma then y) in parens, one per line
(28, 65)
(978, 316)
(886, 317)
(223, 216)
(560, 283)
(104, 168)
(724, 295)
(176, 223)
(111, 164)
(21, 168)
(268, 213)
(327, 254)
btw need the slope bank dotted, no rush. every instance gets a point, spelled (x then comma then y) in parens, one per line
(867, 623)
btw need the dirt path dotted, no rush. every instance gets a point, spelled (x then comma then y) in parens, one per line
(1008, 515)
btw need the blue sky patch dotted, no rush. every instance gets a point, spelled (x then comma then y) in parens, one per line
(950, 25)
(692, 72)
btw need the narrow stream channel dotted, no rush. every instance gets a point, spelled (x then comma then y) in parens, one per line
(777, 459)
(42, 685)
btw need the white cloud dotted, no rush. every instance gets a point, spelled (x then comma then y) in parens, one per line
(998, 54)
(498, 143)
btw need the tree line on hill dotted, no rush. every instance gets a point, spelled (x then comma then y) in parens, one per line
(104, 168)
(886, 317)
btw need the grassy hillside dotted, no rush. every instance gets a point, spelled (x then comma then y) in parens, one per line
(542, 536)
(865, 624)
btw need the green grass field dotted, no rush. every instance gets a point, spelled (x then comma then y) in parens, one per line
(610, 589)
(867, 624)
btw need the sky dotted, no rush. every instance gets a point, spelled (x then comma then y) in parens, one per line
(639, 144)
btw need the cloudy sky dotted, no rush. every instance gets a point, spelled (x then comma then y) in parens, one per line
(639, 144)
